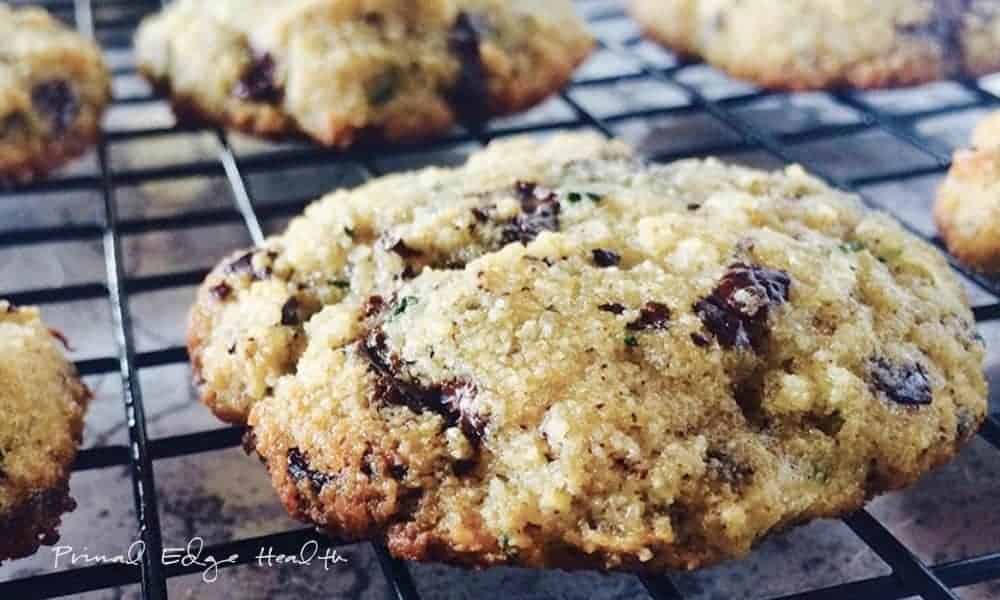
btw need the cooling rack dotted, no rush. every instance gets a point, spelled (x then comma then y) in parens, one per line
(630, 64)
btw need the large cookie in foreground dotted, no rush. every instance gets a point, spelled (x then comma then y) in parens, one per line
(967, 210)
(42, 402)
(53, 90)
(340, 70)
(559, 356)
(821, 44)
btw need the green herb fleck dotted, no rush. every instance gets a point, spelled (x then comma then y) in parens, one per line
(631, 341)
(890, 255)
(852, 246)
(340, 283)
(506, 546)
(405, 303)
(574, 197)
(349, 232)
(383, 88)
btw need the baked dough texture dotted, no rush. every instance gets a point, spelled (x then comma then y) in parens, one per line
(558, 355)
(340, 71)
(821, 44)
(42, 402)
(968, 204)
(53, 90)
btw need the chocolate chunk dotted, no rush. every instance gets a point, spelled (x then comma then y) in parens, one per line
(373, 306)
(612, 307)
(736, 312)
(405, 251)
(299, 469)
(539, 212)
(653, 315)
(470, 94)
(398, 472)
(257, 83)
(221, 291)
(480, 215)
(453, 399)
(243, 265)
(700, 340)
(464, 467)
(606, 258)
(57, 102)
(903, 383)
(290, 313)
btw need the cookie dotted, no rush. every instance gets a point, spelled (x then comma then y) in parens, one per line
(42, 402)
(968, 204)
(559, 356)
(821, 44)
(53, 90)
(342, 71)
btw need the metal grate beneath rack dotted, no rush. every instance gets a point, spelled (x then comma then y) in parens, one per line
(859, 141)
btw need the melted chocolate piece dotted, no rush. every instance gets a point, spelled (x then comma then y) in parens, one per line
(612, 307)
(700, 340)
(57, 102)
(736, 312)
(405, 251)
(290, 313)
(221, 291)
(653, 315)
(903, 383)
(452, 399)
(243, 265)
(606, 258)
(257, 83)
(539, 212)
(398, 472)
(299, 469)
(470, 95)
(480, 215)
(373, 306)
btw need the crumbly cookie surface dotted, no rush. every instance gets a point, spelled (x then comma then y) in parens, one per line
(817, 44)
(342, 70)
(557, 355)
(53, 89)
(968, 204)
(42, 402)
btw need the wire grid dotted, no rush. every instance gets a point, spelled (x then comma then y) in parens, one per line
(113, 22)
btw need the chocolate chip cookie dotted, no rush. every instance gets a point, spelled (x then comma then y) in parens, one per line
(341, 71)
(53, 89)
(818, 44)
(560, 356)
(42, 402)
(968, 204)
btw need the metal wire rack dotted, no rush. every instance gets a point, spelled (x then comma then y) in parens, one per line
(112, 22)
